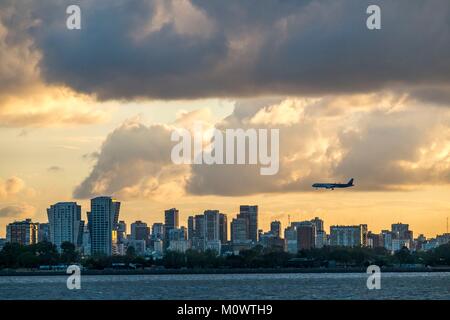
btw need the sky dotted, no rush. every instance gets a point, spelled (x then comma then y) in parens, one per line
(90, 112)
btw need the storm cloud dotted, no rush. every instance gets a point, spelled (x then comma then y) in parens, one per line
(192, 49)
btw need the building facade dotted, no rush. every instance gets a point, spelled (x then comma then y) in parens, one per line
(348, 236)
(171, 221)
(102, 221)
(251, 214)
(306, 236)
(64, 219)
(275, 228)
(23, 232)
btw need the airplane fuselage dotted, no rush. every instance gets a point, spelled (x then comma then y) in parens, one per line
(332, 186)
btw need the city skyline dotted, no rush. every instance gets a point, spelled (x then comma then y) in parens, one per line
(179, 222)
(81, 118)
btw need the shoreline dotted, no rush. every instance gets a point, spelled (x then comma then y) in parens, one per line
(110, 272)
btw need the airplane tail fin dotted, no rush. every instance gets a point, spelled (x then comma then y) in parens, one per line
(350, 183)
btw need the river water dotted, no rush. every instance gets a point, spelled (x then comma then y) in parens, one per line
(433, 285)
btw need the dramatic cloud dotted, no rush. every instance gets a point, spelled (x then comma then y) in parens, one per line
(187, 49)
(17, 211)
(385, 141)
(25, 99)
(11, 187)
(134, 161)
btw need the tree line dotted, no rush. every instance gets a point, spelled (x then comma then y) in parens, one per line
(15, 256)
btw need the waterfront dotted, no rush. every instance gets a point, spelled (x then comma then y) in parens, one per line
(423, 285)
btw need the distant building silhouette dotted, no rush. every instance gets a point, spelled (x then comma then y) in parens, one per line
(251, 214)
(22, 232)
(103, 220)
(65, 223)
(171, 221)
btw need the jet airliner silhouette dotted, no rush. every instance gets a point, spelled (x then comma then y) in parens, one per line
(333, 185)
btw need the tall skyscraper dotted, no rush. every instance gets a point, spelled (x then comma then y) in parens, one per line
(171, 221)
(223, 228)
(321, 236)
(140, 231)
(191, 227)
(121, 231)
(275, 228)
(198, 237)
(318, 223)
(306, 235)
(291, 239)
(44, 232)
(211, 225)
(22, 232)
(401, 230)
(158, 231)
(64, 219)
(199, 226)
(251, 214)
(239, 230)
(102, 224)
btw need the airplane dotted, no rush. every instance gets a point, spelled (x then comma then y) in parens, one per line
(333, 185)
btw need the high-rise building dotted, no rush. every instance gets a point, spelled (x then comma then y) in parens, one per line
(171, 221)
(177, 234)
(121, 231)
(211, 225)
(139, 246)
(22, 232)
(223, 228)
(158, 231)
(275, 228)
(387, 239)
(318, 223)
(44, 232)
(306, 235)
(374, 240)
(191, 227)
(64, 219)
(251, 214)
(364, 233)
(140, 231)
(239, 230)
(348, 236)
(199, 230)
(321, 239)
(86, 240)
(103, 225)
(270, 241)
(198, 235)
(291, 239)
(177, 239)
(400, 231)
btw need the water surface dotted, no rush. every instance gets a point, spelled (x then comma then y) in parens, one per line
(433, 285)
